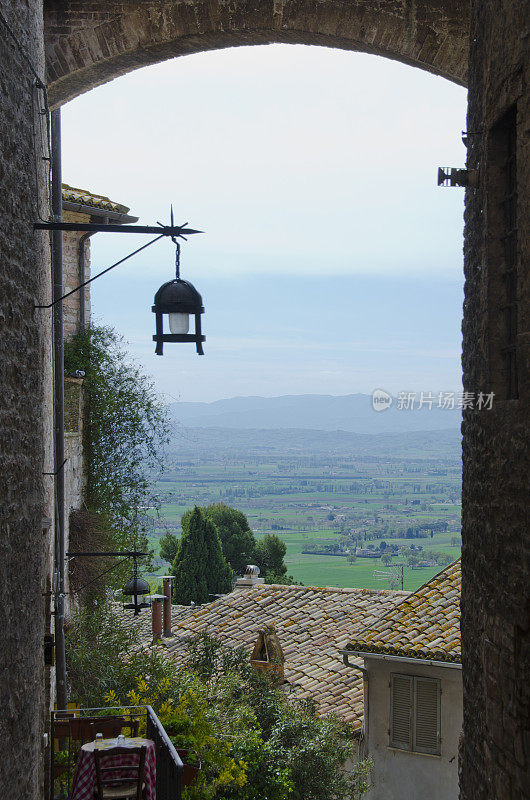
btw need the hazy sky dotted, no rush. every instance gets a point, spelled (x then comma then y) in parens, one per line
(330, 263)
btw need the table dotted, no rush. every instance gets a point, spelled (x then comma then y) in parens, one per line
(84, 782)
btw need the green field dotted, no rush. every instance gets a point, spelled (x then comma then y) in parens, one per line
(310, 494)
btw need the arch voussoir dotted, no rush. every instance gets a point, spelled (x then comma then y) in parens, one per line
(91, 42)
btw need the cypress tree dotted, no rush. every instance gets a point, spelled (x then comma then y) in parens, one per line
(200, 568)
(237, 539)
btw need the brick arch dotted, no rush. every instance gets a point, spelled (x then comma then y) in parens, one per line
(89, 42)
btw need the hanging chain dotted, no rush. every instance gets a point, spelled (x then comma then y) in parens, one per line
(177, 259)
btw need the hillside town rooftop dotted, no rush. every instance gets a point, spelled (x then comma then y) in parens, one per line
(312, 624)
(426, 625)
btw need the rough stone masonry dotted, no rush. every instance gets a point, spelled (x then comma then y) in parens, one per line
(91, 41)
(495, 756)
(25, 507)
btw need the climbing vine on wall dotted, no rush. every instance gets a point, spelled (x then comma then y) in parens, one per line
(124, 433)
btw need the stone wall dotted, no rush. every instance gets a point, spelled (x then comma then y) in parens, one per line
(74, 478)
(25, 430)
(89, 42)
(495, 751)
(71, 278)
(74, 475)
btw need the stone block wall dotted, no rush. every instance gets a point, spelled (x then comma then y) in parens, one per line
(25, 403)
(495, 752)
(89, 42)
(74, 476)
(71, 276)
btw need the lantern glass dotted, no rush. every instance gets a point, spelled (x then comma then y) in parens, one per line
(179, 323)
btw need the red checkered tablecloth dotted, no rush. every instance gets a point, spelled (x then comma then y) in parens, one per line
(84, 781)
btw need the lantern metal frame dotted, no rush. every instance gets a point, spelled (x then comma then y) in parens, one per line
(134, 588)
(178, 297)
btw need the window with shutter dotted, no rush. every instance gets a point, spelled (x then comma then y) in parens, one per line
(415, 714)
(401, 696)
(426, 716)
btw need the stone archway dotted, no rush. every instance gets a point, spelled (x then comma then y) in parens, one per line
(89, 43)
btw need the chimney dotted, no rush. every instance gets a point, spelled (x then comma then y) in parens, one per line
(267, 655)
(156, 611)
(167, 604)
(250, 578)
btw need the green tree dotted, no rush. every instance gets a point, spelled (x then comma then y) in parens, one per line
(125, 430)
(269, 554)
(386, 559)
(314, 750)
(169, 545)
(200, 568)
(236, 537)
(351, 558)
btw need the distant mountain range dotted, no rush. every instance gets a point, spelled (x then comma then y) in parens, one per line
(352, 412)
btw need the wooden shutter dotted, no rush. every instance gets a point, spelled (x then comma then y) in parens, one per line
(426, 716)
(401, 696)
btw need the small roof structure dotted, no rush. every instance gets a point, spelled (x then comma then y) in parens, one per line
(425, 626)
(312, 625)
(86, 202)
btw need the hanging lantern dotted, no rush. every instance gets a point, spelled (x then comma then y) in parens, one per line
(137, 588)
(178, 299)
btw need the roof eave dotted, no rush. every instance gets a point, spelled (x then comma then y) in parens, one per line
(430, 662)
(95, 211)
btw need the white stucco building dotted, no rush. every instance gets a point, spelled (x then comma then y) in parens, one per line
(413, 693)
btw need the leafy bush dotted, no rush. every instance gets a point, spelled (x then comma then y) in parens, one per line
(103, 656)
(169, 545)
(288, 750)
(254, 743)
(183, 706)
(313, 749)
(238, 542)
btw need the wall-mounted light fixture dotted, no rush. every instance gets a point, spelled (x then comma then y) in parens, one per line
(177, 298)
(453, 176)
(136, 587)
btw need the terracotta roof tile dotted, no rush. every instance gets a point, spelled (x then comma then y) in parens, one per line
(426, 625)
(73, 195)
(318, 624)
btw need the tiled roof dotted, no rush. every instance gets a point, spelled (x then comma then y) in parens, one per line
(312, 624)
(426, 625)
(73, 195)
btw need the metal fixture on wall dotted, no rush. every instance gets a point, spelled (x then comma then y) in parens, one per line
(453, 176)
(178, 299)
(136, 587)
(56, 227)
